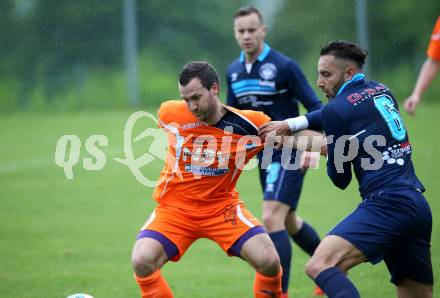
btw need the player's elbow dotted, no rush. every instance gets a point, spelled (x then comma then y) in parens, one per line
(340, 180)
(342, 184)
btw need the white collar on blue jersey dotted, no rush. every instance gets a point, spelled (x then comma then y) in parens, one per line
(261, 57)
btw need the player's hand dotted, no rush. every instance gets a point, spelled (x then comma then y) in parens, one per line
(411, 104)
(277, 128)
(309, 160)
(324, 150)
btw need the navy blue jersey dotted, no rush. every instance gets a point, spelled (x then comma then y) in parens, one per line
(237, 123)
(366, 113)
(274, 86)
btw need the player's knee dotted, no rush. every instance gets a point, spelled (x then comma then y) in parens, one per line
(143, 264)
(314, 266)
(269, 263)
(272, 222)
(268, 221)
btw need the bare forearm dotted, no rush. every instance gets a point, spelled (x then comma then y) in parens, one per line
(426, 76)
(308, 140)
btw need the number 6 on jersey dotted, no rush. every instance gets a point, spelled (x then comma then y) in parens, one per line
(384, 103)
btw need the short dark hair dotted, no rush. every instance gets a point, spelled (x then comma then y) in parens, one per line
(247, 10)
(345, 50)
(199, 69)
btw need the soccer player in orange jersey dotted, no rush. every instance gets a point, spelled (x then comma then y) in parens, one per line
(428, 71)
(209, 144)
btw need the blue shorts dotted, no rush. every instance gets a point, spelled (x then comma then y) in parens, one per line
(280, 184)
(394, 226)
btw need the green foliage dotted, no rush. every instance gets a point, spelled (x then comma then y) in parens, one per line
(401, 80)
(398, 36)
(157, 79)
(69, 54)
(301, 29)
(400, 32)
(100, 88)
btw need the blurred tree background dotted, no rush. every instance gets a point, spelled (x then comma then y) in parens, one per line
(69, 55)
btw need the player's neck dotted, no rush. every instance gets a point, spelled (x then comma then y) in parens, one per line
(252, 57)
(217, 115)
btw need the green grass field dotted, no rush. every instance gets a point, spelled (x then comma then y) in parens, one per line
(59, 236)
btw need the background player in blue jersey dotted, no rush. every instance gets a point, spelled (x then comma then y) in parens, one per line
(393, 222)
(265, 80)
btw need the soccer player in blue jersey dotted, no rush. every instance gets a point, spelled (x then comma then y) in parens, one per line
(393, 222)
(265, 80)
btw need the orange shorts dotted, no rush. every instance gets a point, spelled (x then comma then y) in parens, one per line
(177, 229)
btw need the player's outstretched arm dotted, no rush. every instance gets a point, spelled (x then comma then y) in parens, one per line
(426, 76)
(304, 140)
(309, 140)
(285, 127)
(277, 128)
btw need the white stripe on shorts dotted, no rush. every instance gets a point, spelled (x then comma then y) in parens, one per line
(243, 218)
(150, 219)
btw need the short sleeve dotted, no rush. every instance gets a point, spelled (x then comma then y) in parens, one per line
(434, 45)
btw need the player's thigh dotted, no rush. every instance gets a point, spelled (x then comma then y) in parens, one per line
(334, 251)
(408, 288)
(172, 229)
(231, 228)
(410, 258)
(375, 226)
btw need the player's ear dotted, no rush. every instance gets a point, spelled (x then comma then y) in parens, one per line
(350, 72)
(215, 88)
(264, 28)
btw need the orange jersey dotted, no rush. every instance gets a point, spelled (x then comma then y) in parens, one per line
(203, 162)
(434, 45)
